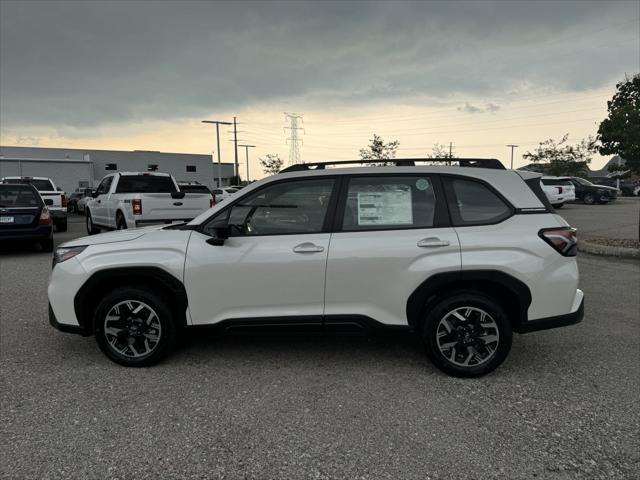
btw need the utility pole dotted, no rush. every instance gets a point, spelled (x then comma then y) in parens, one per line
(236, 169)
(218, 123)
(246, 151)
(450, 149)
(512, 147)
(294, 150)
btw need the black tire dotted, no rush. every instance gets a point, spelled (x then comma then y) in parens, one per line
(91, 228)
(47, 245)
(604, 199)
(589, 199)
(109, 343)
(61, 226)
(558, 205)
(475, 303)
(121, 223)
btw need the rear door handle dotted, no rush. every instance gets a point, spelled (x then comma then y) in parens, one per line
(308, 247)
(432, 242)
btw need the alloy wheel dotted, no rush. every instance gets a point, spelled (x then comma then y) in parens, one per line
(132, 328)
(467, 336)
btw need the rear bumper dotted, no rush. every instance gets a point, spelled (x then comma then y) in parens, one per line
(66, 328)
(553, 322)
(42, 232)
(58, 214)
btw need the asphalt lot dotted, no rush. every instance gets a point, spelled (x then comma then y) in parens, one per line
(564, 405)
(618, 219)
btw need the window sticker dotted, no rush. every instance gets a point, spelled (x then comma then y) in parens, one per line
(385, 208)
(422, 184)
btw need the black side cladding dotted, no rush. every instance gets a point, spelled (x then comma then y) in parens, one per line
(534, 185)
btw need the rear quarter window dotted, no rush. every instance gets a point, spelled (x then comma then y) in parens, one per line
(473, 203)
(145, 184)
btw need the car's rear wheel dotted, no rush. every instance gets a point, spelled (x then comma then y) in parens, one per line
(467, 334)
(589, 199)
(134, 327)
(47, 245)
(121, 223)
(61, 226)
(91, 228)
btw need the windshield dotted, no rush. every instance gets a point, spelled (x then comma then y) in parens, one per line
(17, 196)
(41, 185)
(194, 188)
(582, 181)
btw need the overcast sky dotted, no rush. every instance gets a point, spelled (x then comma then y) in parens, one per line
(141, 75)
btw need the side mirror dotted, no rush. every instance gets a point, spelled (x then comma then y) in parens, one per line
(94, 193)
(177, 194)
(221, 231)
(48, 201)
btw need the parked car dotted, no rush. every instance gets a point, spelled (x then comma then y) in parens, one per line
(24, 215)
(48, 190)
(558, 190)
(87, 194)
(221, 194)
(197, 187)
(461, 256)
(589, 193)
(133, 199)
(628, 188)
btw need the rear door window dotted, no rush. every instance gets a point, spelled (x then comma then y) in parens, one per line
(145, 184)
(473, 203)
(387, 203)
(12, 196)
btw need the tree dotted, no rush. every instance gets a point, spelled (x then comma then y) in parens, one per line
(560, 158)
(271, 163)
(378, 150)
(441, 151)
(619, 133)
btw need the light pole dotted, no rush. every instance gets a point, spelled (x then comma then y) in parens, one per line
(218, 141)
(512, 147)
(246, 151)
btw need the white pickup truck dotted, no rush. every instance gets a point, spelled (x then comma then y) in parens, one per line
(48, 191)
(134, 199)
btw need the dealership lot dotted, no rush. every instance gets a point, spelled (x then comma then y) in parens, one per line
(564, 404)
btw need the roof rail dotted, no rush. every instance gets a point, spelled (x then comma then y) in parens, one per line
(401, 162)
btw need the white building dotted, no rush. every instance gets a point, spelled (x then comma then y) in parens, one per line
(71, 168)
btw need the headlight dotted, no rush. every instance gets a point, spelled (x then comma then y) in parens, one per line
(63, 254)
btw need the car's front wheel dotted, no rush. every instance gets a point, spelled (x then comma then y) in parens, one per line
(589, 199)
(134, 327)
(467, 334)
(91, 228)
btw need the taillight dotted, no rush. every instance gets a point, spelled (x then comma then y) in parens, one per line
(136, 204)
(563, 239)
(63, 199)
(45, 217)
(212, 201)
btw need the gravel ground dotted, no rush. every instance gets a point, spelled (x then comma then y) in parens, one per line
(563, 406)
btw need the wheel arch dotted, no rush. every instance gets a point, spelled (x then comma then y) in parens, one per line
(155, 278)
(511, 293)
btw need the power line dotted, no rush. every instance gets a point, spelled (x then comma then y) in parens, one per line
(294, 148)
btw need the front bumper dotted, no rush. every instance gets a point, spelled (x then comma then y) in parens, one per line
(553, 322)
(66, 328)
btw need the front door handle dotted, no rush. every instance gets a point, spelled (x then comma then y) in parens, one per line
(432, 242)
(308, 247)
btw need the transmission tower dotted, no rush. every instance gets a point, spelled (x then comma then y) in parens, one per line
(294, 148)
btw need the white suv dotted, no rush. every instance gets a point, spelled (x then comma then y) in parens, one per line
(461, 256)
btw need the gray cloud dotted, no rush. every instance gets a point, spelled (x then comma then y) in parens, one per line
(82, 64)
(488, 108)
